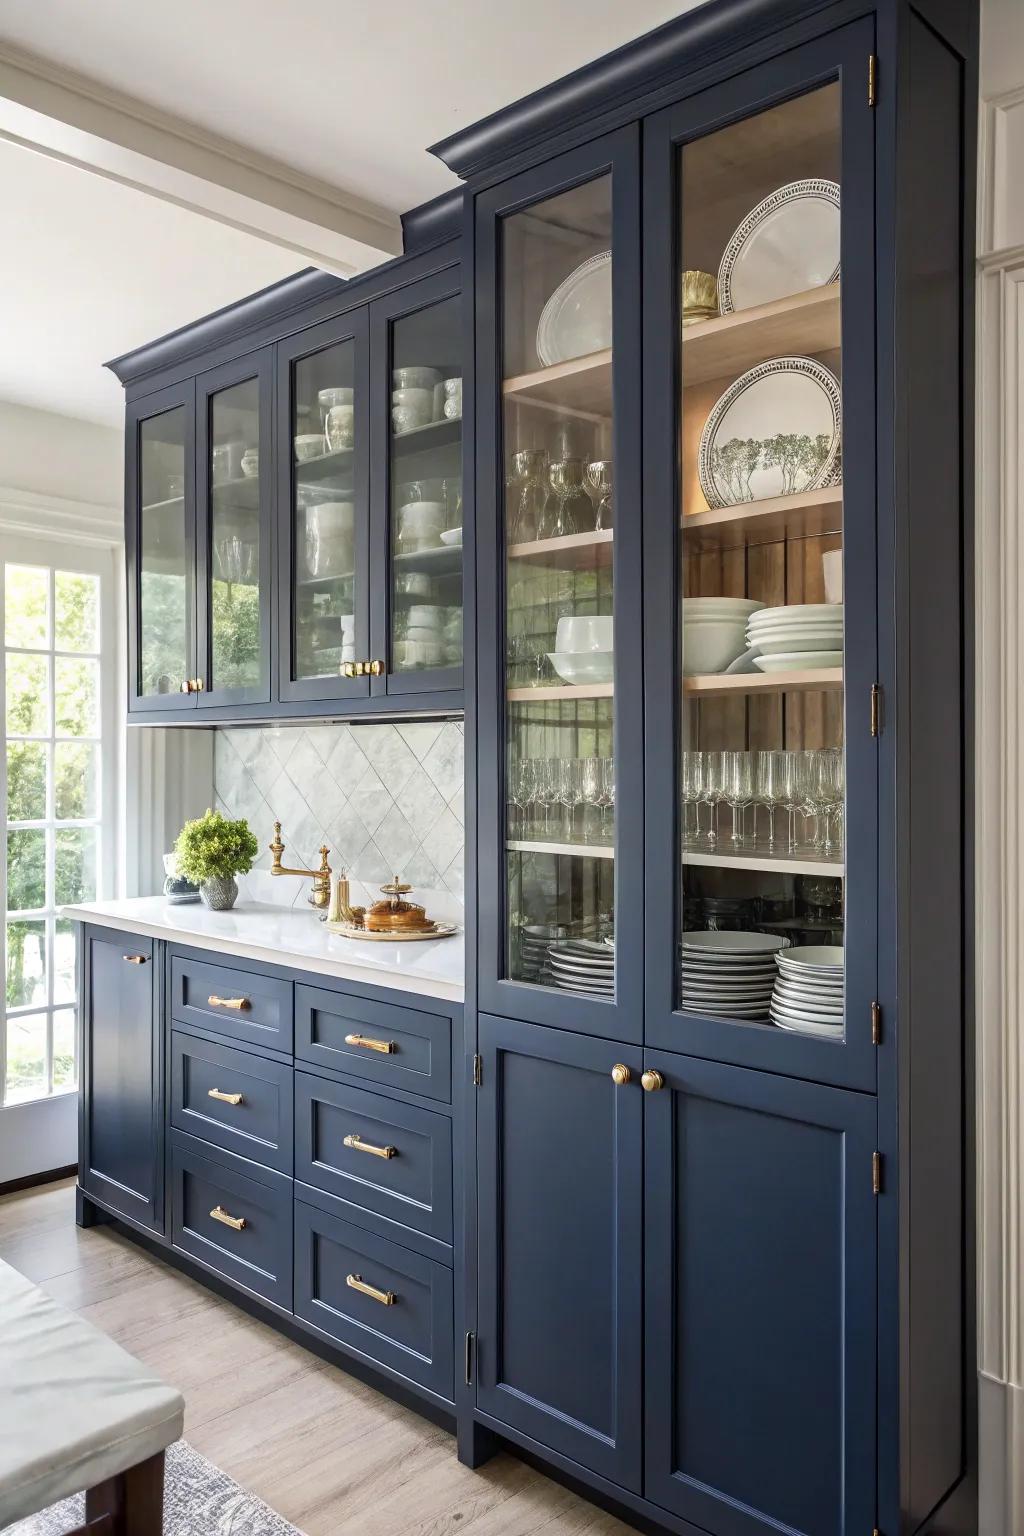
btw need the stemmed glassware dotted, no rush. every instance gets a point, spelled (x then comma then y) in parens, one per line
(806, 784)
(599, 474)
(829, 790)
(771, 787)
(607, 799)
(527, 495)
(570, 792)
(691, 798)
(568, 509)
(738, 791)
(590, 789)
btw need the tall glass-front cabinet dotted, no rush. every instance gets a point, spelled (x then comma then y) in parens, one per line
(709, 686)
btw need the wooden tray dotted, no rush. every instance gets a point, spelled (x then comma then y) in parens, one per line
(398, 936)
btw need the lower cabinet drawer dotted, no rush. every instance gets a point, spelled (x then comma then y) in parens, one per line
(390, 1305)
(237, 1222)
(247, 1006)
(233, 1099)
(381, 1043)
(388, 1157)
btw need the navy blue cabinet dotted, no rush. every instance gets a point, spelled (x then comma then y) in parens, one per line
(121, 1115)
(560, 1217)
(760, 1280)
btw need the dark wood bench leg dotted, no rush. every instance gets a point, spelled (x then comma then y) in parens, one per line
(129, 1505)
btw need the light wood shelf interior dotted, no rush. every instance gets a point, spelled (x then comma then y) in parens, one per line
(565, 850)
(802, 515)
(784, 863)
(574, 551)
(728, 345)
(556, 691)
(720, 684)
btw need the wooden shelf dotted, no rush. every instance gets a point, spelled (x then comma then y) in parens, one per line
(556, 691)
(442, 560)
(728, 345)
(765, 522)
(719, 684)
(575, 551)
(580, 387)
(436, 434)
(783, 863)
(564, 850)
(323, 466)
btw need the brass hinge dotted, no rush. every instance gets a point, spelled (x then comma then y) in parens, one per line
(470, 1341)
(876, 1024)
(478, 1071)
(876, 709)
(876, 1173)
(872, 79)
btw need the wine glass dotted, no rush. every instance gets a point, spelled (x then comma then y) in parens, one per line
(829, 787)
(795, 776)
(591, 788)
(771, 787)
(570, 792)
(574, 510)
(546, 790)
(526, 495)
(608, 799)
(738, 790)
(712, 790)
(599, 474)
(690, 788)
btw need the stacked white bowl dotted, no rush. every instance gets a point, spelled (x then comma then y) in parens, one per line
(584, 649)
(714, 632)
(796, 637)
(808, 992)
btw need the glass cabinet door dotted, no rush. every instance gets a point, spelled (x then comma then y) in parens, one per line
(416, 537)
(161, 607)
(772, 608)
(235, 541)
(323, 489)
(569, 731)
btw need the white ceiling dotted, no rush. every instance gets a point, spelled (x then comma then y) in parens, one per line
(342, 91)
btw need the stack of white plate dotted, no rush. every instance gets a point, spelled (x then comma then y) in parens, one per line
(729, 974)
(798, 636)
(808, 995)
(714, 632)
(534, 945)
(583, 965)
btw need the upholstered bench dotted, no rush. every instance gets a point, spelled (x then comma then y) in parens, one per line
(78, 1413)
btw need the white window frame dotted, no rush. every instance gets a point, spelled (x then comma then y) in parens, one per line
(102, 561)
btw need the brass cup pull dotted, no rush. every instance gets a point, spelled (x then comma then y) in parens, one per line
(357, 1283)
(225, 1098)
(385, 1047)
(652, 1081)
(228, 1002)
(359, 1145)
(236, 1223)
(135, 959)
(621, 1074)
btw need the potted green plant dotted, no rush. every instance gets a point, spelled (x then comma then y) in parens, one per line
(211, 851)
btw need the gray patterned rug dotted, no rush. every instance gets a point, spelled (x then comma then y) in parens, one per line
(199, 1500)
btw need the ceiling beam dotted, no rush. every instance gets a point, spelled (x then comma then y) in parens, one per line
(70, 118)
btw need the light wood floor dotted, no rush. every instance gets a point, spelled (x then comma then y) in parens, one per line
(328, 1453)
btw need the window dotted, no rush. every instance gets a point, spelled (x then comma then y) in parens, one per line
(55, 803)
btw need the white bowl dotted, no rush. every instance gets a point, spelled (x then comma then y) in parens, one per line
(812, 642)
(419, 653)
(328, 398)
(416, 378)
(331, 517)
(799, 611)
(583, 666)
(711, 647)
(422, 516)
(452, 537)
(795, 661)
(593, 633)
(820, 957)
(703, 606)
(309, 445)
(425, 615)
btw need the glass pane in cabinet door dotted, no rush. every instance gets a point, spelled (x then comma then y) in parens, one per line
(559, 625)
(761, 582)
(235, 658)
(324, 512)
(426, 489)
(164, 591)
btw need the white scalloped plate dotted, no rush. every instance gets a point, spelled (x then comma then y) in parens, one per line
(577, 319)
(788, 244)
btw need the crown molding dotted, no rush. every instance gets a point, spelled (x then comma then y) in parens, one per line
(72, 118)
(60, 517)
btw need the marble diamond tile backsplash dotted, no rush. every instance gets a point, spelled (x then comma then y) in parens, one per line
(385, 799)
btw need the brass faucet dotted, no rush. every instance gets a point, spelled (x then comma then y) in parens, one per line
(320, 896)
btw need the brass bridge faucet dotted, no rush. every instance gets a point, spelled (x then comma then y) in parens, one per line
(320, 895)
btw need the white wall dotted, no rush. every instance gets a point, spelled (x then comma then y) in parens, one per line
(999, 827)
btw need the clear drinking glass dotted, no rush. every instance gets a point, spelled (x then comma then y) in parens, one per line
(712, 790)
(526, 495)
(591, 789)
(771, 787)
(546, 790)
(795, 775)
(570, 792)
(738, 791)
(608, 793)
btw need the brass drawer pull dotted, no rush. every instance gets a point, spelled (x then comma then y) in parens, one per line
(359, 1145)
(225, 1098)
(357, 1283)
(135, 959)
(228, 1002)
(236, 1223)
(385, 1047)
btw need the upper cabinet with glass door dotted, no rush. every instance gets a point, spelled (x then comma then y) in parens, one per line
(763, 905)
(161, 551)
(569, 520)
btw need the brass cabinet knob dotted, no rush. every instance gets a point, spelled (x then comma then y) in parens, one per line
(375, 668)
(651, 1081)
(186, 686)
(621, 1074)
(197, 684)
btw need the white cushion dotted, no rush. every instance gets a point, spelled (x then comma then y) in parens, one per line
(75, 1408)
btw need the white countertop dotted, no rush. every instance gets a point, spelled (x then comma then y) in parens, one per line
(285, 936)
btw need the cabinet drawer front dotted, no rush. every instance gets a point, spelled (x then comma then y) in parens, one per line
(241, 1004)
(232, 1099)
(387, 1157)
(405, 1324)
(258, 1253)
(399, 1047)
